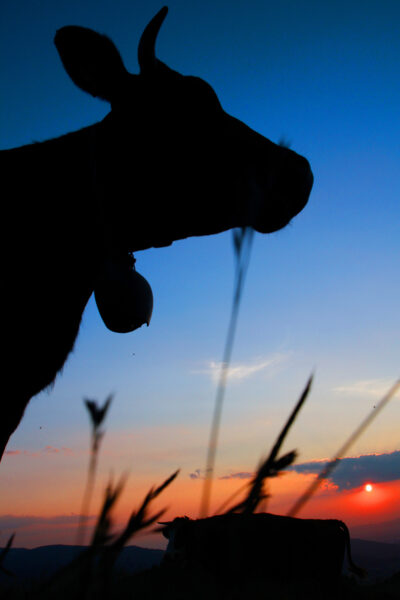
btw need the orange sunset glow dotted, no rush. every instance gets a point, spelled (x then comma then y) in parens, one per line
(52, 509)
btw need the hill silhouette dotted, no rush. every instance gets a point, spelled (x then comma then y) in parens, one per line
(388, 532)
(44, 561)
(380, 559)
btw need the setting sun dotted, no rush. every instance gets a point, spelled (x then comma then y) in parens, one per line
(368, 487)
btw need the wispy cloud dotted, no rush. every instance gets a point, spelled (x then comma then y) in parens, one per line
(197, 474)
(53, 450)
(238, 475)
(17, 521)
(352, 472)
(47, 450)
(366, 387)
(244, 370)
(200, 474)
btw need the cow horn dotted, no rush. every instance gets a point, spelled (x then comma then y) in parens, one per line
(146, 50)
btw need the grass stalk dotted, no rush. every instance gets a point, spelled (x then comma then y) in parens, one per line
(97, 415)
(242, 240)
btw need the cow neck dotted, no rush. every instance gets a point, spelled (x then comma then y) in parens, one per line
(102, 233)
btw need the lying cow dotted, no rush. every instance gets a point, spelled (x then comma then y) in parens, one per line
(239, 547)
(166, 163)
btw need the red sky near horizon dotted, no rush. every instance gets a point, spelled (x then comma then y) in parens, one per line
(51, 520)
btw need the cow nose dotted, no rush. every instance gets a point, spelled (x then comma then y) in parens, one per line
(300, 180)
(281, 194)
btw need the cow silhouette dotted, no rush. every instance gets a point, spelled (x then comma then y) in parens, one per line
(236, 548)
(165, 163)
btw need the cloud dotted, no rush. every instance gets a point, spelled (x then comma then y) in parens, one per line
(17, 522)
(43, 452)
(200, 474)
(53, 450)
(376, 388)
(238, 475)
(244, 370)
(197, 474)
(353, 472)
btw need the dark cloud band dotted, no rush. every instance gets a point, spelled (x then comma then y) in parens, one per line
(357, 471)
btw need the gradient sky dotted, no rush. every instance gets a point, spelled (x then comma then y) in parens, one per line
(321, 295)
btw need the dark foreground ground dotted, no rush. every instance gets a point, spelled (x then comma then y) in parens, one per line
(47, 573)
(170, 584)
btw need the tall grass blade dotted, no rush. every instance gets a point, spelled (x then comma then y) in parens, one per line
(242, 241)
(97, 415)
(272, 465)
(4, 553)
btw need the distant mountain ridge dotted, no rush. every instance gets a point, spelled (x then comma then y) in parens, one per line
(388, 531)
(380, 559)
(44, 561)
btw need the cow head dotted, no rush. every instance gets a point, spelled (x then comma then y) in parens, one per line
(170, 163)
(176, 532)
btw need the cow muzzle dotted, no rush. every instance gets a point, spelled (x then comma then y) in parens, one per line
(278, 194)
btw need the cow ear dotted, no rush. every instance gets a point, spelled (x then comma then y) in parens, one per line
(91, 60)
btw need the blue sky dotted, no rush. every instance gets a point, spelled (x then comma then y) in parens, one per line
(320, 295)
